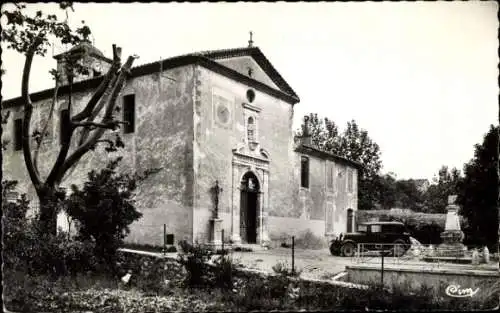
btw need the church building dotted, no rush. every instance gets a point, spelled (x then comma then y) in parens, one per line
(218, 125)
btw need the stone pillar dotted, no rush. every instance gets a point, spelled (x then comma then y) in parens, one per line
(235, 212)
(216, 231)
(263, 236)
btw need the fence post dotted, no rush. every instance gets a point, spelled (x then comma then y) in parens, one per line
(382, 273)
(164, 238)
(293, 255)
(222, 240)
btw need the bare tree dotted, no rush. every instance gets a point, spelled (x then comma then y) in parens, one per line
(31, 36)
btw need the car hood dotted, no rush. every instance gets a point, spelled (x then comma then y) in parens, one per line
(355, 234)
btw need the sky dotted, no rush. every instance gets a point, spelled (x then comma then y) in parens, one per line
(420, 77)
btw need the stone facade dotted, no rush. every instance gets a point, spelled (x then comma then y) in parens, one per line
(221, 116)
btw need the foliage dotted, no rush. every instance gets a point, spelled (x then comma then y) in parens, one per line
(283, 269)
(243, 249)
(354, 144)
(102, 293)
(445, 184)
(194, 258)
(31, 35)
(223, 271)
(408, 196)
(479, 193)
(27, 248)
(104, 209)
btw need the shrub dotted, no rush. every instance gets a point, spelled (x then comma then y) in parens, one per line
(27, 249)
(223, 272)
(104, 209)
(243, 249)
(194, 258)
(282, 268)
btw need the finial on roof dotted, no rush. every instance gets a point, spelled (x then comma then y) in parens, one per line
(250, 42)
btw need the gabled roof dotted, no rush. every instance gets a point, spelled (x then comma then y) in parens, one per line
(205, 59)
(313, 151)
(258, 56)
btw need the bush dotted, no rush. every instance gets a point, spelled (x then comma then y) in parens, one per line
(104, 209)
(27, 249)
(195, 259)
(243, 249)
(223, 272)
(282, 268)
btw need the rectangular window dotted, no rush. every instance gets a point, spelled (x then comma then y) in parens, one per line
(18, 134)
(129, 113)
(304, 172)
(63, 126)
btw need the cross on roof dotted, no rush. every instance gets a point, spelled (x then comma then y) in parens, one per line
(250, 42)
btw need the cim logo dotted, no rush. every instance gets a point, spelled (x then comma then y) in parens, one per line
(456, 292)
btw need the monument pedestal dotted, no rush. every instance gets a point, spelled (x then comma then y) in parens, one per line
(216, 231)
(452, 236)
(452, 244)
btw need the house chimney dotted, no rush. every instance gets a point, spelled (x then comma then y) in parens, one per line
(89, 57)
(305, 139)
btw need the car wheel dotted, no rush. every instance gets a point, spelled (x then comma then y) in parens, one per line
(348, 249)
(399, 248)
(334, 250)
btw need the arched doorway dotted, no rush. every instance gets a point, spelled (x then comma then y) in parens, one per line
(350, 220)
(249, 206)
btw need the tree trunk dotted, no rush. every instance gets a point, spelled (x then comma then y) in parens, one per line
(48, 212)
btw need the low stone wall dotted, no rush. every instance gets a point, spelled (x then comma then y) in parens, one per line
(167, 267)
(441, 281)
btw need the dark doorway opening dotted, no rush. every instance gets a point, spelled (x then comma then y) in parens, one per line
(350, 220)
(250, 192)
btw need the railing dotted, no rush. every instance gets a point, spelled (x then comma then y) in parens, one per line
(429, 255)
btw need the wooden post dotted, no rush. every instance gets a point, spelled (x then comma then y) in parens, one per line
(222, 240)
(382, 273)
(293, 255)
(164, 238)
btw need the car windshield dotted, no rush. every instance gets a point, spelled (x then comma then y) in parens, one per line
(362, 228)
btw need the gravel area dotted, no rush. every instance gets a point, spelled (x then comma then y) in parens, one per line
(316, 264)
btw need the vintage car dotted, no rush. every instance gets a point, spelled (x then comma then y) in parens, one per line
(390, 237)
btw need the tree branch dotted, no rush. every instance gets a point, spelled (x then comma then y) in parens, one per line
(66, 140)
(28, 111)
(44, 129)
(89, 108)
(85, 147)
(110, 125)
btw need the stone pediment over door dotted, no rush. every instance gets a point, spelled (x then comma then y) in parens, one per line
(255, 158)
